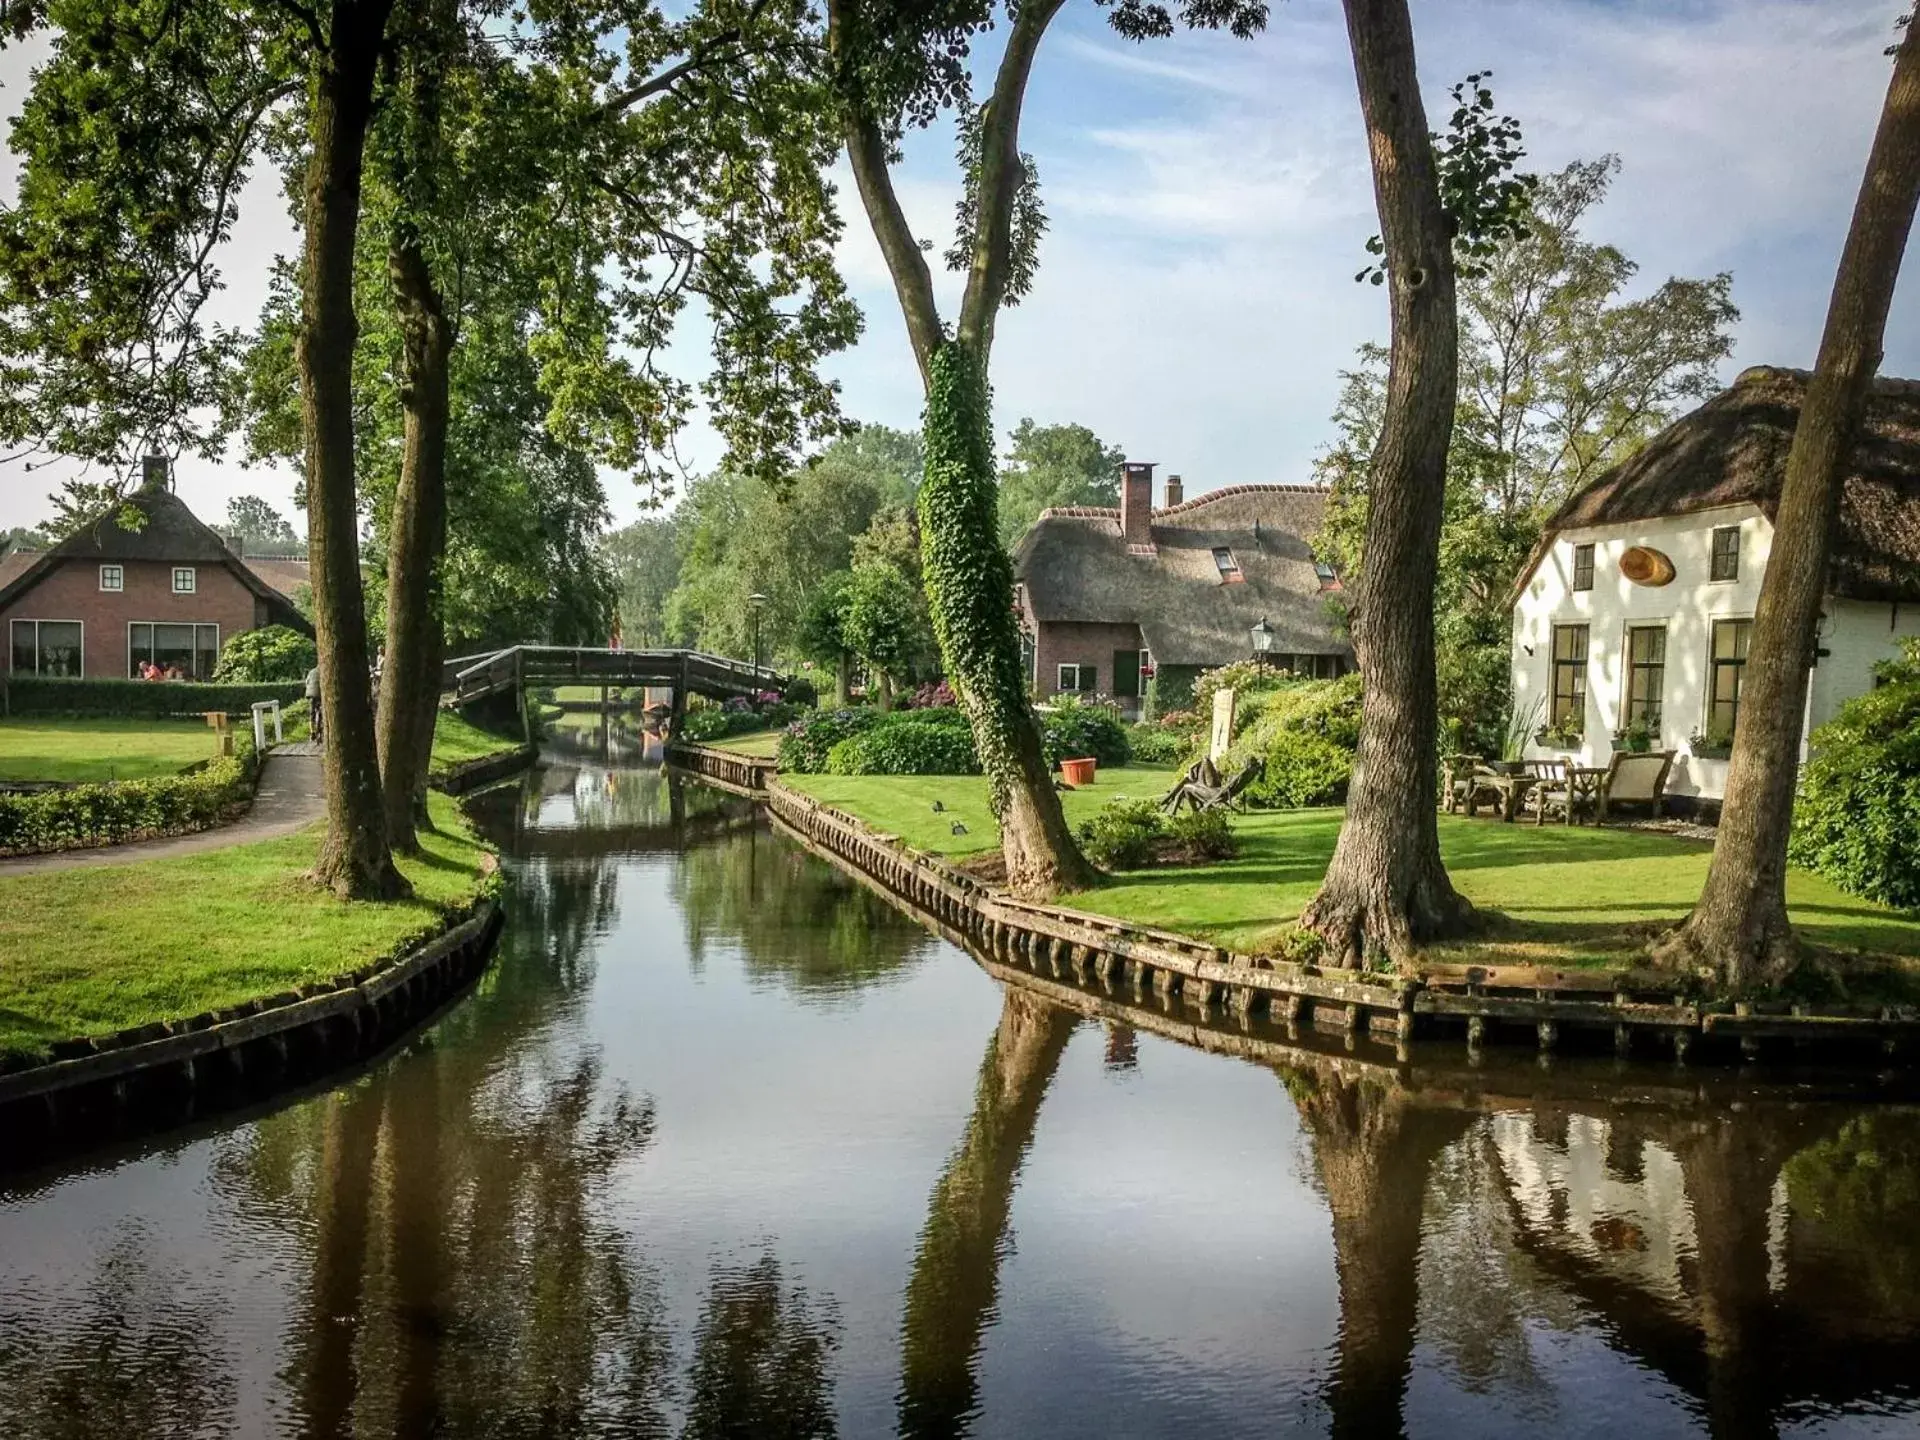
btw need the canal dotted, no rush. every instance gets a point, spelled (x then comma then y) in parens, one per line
(725, 1145)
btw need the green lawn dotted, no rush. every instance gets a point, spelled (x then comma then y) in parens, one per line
(94, 950)
(1576, 895)
(755, 742)
(457, 740)
(88, 750)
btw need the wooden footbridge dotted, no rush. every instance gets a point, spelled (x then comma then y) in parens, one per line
(686, 672)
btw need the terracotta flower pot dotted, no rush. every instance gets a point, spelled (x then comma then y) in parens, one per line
(1078, 772)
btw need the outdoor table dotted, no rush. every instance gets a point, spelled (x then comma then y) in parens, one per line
(1511, 789)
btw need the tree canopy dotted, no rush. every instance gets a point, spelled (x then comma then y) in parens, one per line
(1048, 465)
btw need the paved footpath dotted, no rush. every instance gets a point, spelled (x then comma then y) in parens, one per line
(287, 799)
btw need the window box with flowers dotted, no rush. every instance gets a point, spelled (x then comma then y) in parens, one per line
(1566, 734)
(1715, 745)
(1635, 739)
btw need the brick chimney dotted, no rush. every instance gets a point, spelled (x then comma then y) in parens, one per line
(154, 473)
(1136, 504)
(1175, 491)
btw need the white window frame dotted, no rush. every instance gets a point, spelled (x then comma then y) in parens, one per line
(113, 579)
(36, 622)
(197, 626)
(1230, 570)
(1060, 678)
(192, 586)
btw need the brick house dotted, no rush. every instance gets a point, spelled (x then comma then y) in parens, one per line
(108, 597)
(1110, 598)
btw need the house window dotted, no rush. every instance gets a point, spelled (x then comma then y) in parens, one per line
(1077, 679)
(1569, 677)
(46, 647)
(113, 578)
(192, 649)
(1583, 567)
(1228, 566)
(1646, 675)
(1730, 640)
(183, 580)
(1726, 553)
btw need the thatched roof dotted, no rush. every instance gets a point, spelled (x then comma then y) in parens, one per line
(1733, 451)
(1076, 567)
(172, 534)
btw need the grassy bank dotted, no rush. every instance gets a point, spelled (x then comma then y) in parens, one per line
(88, 751)
(764, 743)
(90, 951)
(456, 740)
(1576, 895)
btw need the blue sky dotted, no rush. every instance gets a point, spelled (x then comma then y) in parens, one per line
(1210, 198)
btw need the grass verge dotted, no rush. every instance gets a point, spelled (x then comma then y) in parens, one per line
(91, 751)
(764, 743)
(1566, 896)
(90, 951)
(456, 740)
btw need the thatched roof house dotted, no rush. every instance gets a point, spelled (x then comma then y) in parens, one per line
(1176, 589)
(111, 595)
(1634, 615)
(1733, 451)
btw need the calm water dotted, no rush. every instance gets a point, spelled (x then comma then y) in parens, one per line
(725, 1146)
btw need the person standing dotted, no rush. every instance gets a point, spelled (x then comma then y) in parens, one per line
(313, 703)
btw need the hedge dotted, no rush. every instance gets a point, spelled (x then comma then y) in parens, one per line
(908, 742)
(108, 814)
(44, 695)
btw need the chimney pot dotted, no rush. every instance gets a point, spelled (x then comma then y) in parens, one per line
(1176, 492)
(154, 473)
(1136, 504)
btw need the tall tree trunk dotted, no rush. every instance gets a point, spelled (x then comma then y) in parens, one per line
(1738, 930)
(1386, 891)
(842, 680)
(968, 577)
(354, 860)
(410, 679)
(969, 584)
(884, 682)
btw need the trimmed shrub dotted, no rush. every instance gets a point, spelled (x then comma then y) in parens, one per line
(1071, 730)
(1121, 835)
(271, 653)
(802, 693)
(1305, 732)
(1204, 834)
(804, 747)
(108, 814)
(1157, 745)
(903, 744)
(44, 695)
(1857, 818)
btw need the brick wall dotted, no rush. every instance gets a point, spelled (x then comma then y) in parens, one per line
(1073, 643)
(72, 592)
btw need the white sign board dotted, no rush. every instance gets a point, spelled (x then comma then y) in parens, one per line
(1222, 725)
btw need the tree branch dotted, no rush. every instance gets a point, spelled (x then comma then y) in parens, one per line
(1000, 176)
(906, 261)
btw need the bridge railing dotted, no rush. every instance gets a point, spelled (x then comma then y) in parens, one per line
(582, 665)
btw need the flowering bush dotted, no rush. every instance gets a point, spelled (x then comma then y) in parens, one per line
(1072, 729)
(934, 695)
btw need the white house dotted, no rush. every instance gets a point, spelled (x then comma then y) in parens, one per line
(1636, 608)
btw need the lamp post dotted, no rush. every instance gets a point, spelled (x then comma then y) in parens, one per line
(1262, 635)
(754, 603)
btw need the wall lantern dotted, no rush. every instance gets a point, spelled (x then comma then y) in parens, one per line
(1644, 565)
(1262, 634)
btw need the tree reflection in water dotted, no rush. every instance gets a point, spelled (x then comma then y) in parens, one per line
(950, 1297)
(760, 1360)
(796, 921)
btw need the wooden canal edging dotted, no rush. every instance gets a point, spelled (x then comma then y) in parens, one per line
(1630, 1012)
(161, 1073)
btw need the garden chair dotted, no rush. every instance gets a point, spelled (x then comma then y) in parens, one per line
(1556, 789)
(1457, 781)
(1635, 778)
(1201, 795)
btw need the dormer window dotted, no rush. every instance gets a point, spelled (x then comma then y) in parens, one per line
(1325, 572)
(1228, 566)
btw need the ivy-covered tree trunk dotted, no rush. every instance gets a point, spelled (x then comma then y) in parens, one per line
(1738, 932)
(410, 678)
(1386, 891)
(970, 597)
(354, 859)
